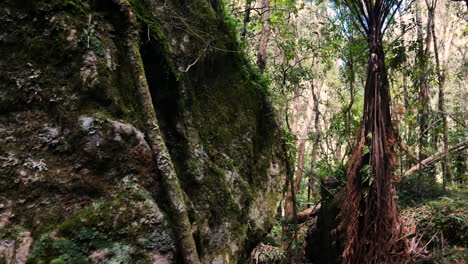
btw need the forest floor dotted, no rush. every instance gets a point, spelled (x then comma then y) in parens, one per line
(441, 218)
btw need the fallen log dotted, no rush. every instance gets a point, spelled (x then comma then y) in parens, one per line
(307, 213)
(437, 156)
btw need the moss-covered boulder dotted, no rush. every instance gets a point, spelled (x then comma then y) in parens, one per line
(83, 161)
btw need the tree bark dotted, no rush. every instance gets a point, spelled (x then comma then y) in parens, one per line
(369, 213)
(264, 36)
(374, 221)
(248, 7)
(404, 72)
(424, 108)
(301, 148)
(441, 72)
(316, 142)
(351, 80)
(423, 85)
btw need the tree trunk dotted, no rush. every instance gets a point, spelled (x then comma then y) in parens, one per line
(351, 80)
(424, 107)
(423, 87)
(248, 7)
(264, 36)
(302, 138)
(404, 162)
(369, 211)
(441, 71)
(313, 158)
(161, 156)
(290, 204)
(404, 72)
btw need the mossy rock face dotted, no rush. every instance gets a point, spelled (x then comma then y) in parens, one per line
(78, 182)
(127, 227)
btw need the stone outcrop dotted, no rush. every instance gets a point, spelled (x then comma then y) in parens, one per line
(82, 157)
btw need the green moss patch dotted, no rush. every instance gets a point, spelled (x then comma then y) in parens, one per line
(125, 228)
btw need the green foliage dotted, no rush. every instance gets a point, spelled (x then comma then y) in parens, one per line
(70, 253)
(441, 218)
(451, 255)
(291, 148)
(43, 250)
(121, 254)
(408, 196)
(81, 7)
(92, 238)
(160, 240)
(275, 254)
(448, 216)
(233, 22)
(107, 224)
(397, 55)
(365, 150)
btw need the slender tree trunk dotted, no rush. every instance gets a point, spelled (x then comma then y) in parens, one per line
(289, 206)
(247, 9)
(347, 112)
(316, 142)
(295, 109)
(423, 91)
(404, 162)
(295, 256)
(297, 90)
(301, 149)
(431, 4)
(315, 92)
(264, 36)
(300, 144)
(404, 72)
(441, 70)
(424, 107)
(289, 191)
